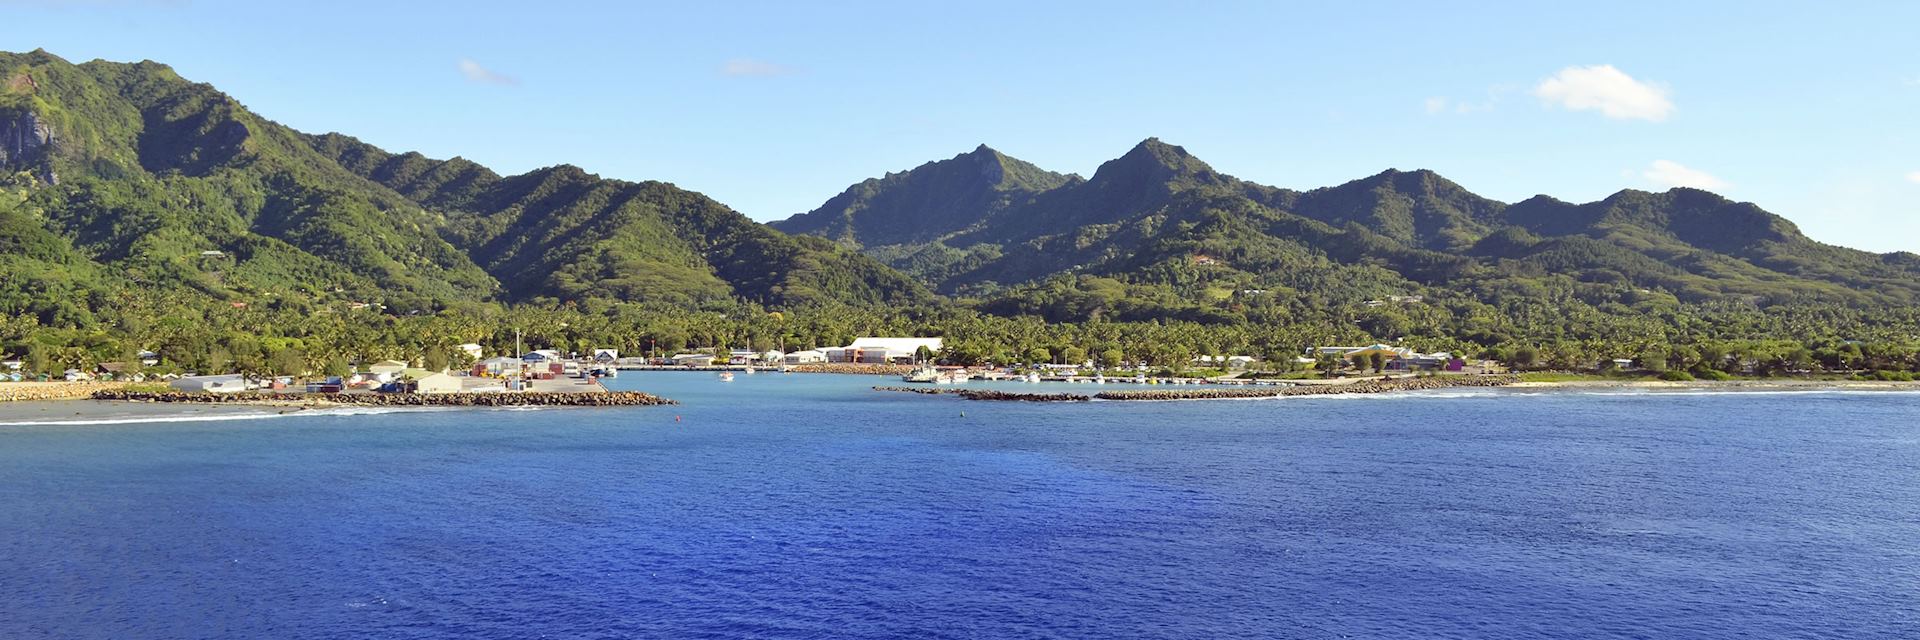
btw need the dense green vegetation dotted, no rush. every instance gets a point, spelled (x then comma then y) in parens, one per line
(140, 211)
(160, 182)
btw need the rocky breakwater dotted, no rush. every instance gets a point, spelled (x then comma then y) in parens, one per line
(1360, 387)
(526, 399)
(28, 391)
(988, 394)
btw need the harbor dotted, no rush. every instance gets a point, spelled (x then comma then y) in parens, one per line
(1356, 386)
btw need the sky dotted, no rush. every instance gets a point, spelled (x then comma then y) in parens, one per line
(1808, 110)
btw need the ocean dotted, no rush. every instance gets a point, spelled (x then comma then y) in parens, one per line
(808, 506)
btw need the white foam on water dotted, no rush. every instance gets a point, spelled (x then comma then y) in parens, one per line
(140, 420)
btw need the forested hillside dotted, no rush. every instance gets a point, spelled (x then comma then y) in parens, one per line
(127, 176)
(1161, 223)
(142, 211)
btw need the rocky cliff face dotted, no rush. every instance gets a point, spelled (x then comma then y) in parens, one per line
(25, 143)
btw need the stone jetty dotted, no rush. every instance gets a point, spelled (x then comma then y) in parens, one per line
(989, 394)
(519, 399)
(1384, 385)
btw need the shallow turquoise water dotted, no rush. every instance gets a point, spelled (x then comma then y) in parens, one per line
(808, 506)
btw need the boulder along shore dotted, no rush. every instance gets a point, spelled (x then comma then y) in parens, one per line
(523, 399)
(1360, 387)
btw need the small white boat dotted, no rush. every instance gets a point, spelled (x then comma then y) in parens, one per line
(786, 369)
(726, 376)
(749, 369)
(922, 374)
(950, 378)
(1033, 377)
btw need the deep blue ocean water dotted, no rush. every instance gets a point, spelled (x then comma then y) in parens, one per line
(782, 506)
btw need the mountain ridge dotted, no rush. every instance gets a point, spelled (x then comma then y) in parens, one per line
(125, 186)
(1417, 223)
(169, 181)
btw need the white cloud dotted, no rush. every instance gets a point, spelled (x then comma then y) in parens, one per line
(751, 68)
(1914, 177)
(1607, 90)
(476, 73)
(1669, 174)
(1436, 105)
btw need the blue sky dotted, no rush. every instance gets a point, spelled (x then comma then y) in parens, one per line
(774, 107)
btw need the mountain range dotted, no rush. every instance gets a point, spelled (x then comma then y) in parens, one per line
(118, 179)
(982, 221)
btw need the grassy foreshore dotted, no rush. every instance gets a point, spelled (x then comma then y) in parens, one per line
(1359, 386)
(531, 398)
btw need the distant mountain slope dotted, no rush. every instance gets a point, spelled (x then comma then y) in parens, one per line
(1157, 216)
(147, 177)
(562, 233)
(928, 201)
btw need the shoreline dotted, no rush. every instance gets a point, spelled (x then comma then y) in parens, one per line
(1728, 385)
(1357, 386)
(302, 400)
